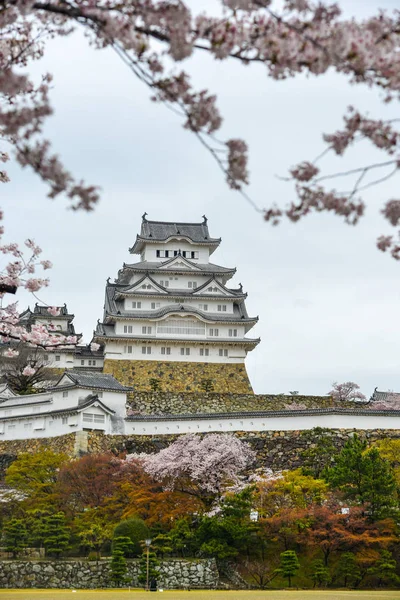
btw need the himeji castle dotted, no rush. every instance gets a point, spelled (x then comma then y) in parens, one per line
(172, 318)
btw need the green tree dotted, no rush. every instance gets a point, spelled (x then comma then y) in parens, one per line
(15, 536)
(136, 530)
(148, 567)
(319, 453)
(36, 526)
(384, 570)
(289, 565)
(35, 476)
(123, 543)
(348, 572)
(56, 534)
(118, 567)
(94, 536)
(365, 477)
(320, 573)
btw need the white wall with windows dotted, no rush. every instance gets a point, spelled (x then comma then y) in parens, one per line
(179, 327)
(162, 252)
(219, 306)
(174, 351)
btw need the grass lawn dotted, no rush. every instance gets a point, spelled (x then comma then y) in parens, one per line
(195, 595)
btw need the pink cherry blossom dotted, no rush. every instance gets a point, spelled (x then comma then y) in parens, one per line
(28, 371)
(285, 38)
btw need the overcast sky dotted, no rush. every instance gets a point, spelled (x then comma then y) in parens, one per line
(327, 299)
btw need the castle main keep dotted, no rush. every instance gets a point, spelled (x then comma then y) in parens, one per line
(171, 321)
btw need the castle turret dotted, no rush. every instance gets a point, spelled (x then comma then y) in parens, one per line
(173, 316)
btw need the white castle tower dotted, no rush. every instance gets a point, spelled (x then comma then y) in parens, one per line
(170, 321)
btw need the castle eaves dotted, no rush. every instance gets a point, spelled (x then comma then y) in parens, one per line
(161, 231)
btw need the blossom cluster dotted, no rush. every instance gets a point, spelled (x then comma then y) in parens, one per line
(287, 37)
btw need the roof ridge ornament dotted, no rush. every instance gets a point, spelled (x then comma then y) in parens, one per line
(144, 215)
(205, 220)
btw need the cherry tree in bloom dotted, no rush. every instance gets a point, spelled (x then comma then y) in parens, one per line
(287, 37)
(348, 391)
(201, 466)
(21, 272)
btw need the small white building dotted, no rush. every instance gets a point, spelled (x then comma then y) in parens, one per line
(62, 357)
(80, 401)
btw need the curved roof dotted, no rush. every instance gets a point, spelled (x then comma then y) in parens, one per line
(162, 267)
(161, 231)
(238, 317)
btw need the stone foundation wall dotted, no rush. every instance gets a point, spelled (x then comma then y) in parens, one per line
(173, 403)
(173, 574)
(275, 449)
(9, 449)
(180, 376)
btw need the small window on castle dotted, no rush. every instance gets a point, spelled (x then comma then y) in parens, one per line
(143, 349)
(222, 352)
(65, 394)
(165, 350)
(221, 307)
(148, 349)
(194, 255)
(64, 420)
(11, 427)
(158, 253)
(129, 349)
(182, 351)
(204, 352)
(214, 332)
(45, 357)
(233, 332)
(136, 305)
(82, 362)
(94, 363)
(58, 357)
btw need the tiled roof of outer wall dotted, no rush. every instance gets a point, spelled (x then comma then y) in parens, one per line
(94, 379)
(385, 396)
(266, 414)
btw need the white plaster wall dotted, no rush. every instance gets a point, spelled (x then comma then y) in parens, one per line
(235, 353)
(292, 423)
(137, 328)
(44, 426)
(150, 251)
(162, 302)
(87, 363)
(59, 360)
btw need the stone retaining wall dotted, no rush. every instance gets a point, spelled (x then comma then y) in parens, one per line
(180, 376)
(173, 574)
(275, 449)
(173, 403)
